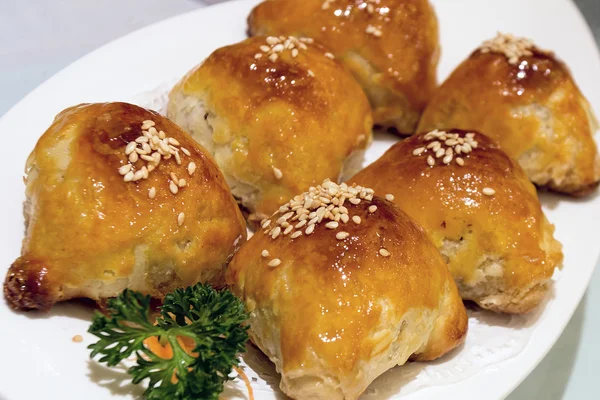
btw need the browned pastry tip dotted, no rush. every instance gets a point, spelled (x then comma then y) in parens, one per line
(25, 286)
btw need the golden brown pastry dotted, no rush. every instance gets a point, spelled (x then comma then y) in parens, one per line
(342, 286)
(107, 208)
(390, 46)
(480, 210)
(526, 100)
(278, 115)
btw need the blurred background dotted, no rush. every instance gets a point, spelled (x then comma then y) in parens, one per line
(40, 37)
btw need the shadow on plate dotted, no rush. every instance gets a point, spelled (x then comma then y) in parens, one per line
(82, 309)
(551, 199)
(115, 379)
(549, 379)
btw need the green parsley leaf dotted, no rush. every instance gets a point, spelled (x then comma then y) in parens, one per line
(213, 320)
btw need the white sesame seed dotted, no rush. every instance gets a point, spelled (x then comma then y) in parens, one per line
(277, 172)
(430, 161)
(418, 151)
(447, 159)
(384, 252)
(266, 223)
(329, 55)
(460, 161)
(265, 253)
(296, 234)
(372, 209)
(310, 73)
(130, 148)
(265, 49)
(133, 157)
(356, 219)
(141, 139)
(288, 229)
(274, 263)
(152, 192)
(271, 40)
(342, 235)
(177, 158)
(186, 151)
(173, 141)
(310, 229)
(258, 55)
(389, 197)
(161, 135)
(275, 232)
(128, 176)
(181, 183)
(173, 187)
(191, 168)
(488, 191)
(273, 57)
(180, 218)
(294, 53)
(124, 169)
(332, 225)
(173, 177)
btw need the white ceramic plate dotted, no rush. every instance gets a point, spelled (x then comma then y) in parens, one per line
(41, 361)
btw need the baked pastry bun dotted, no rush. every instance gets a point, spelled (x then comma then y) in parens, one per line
(390, 46)
(480, 211)
(120, 197)
(341, 286)
(526, 100)
(278, 114)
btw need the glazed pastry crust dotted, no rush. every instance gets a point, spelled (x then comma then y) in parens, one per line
(532, 108)
(91, 234)
(397, 69)
(335, 314)
(304, 116)
(500, 248)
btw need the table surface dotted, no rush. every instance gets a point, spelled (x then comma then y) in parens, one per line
(39, 37)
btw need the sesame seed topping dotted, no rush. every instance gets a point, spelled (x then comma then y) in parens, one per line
(341, 235)
(265, 253)
(191, 168)
(124, 169)
(310, 73)
(488, 191)
(274, 263)
(277, 172)
(512, 47)
(152, 192)
(180, 218)
(278, 45)
(128, 176)
(173, 187)
(321, 204)
(329, 55)
(182, 183)
(374, 30)
(444, 145)
(389, 197)
(332, 225)
(384, 252)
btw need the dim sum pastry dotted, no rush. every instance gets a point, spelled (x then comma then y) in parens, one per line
(278, 114)
(390, 46)
(526, 100)
(342, 286)
(480, 210)
(120, 197)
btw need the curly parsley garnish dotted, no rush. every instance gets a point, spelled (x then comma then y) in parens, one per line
(211, 319)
